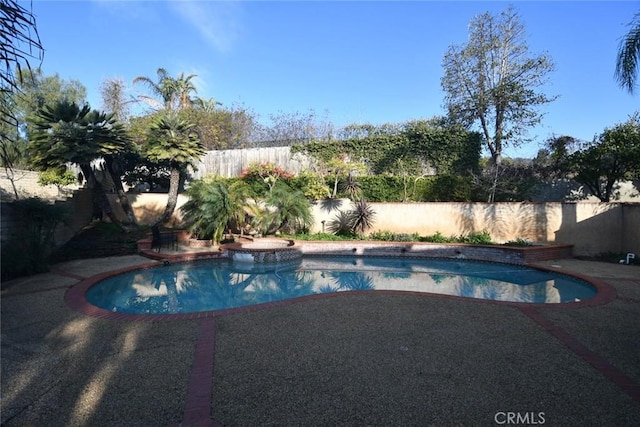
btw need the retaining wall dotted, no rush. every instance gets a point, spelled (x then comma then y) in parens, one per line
(26, 184)
(592, 228)
(493, 253)
(79, 208)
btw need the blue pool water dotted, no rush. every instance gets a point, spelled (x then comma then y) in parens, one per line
(221, 284)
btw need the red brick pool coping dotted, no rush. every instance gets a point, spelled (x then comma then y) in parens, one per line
(75, 296)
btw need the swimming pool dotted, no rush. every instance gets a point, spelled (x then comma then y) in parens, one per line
(222, 284)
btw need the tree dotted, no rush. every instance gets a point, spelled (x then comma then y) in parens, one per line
(13, 155)
(163, 89)
(341, 167)
(172, 139)
(114, 99)
(244, 127)
(113, 93)
(492, 80)
(626, 72)
(214, 127)
(173, 93)
(184, 86)
(301, 128)
(286, 210)
(20, 45)
(213, 204)
(613, 156)
(67, 133)
(38, 90)
(207, 105)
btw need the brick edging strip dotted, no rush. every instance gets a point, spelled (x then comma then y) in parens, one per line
(615, 375)
(197, 407)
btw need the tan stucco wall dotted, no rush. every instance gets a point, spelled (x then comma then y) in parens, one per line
(147, 207)
(592, 228)
(26, 184)
(631, 229)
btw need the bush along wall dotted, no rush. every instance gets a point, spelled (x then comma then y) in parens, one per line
(411, 148)
(31, 240)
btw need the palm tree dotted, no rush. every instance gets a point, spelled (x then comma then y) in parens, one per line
(183, 87)
(174, 93)
(287, 210)
(164, 88)
(67, 133)
(20, 44)
(212, 205)
(207, 105)
(172, 139)
(628, 54)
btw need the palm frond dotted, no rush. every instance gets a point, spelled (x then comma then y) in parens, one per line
(626, 72)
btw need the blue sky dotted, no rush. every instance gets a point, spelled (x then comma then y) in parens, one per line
(365, 62)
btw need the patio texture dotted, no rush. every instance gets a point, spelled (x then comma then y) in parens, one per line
(354, 359)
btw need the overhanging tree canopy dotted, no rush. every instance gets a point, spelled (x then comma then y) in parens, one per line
(68, 133)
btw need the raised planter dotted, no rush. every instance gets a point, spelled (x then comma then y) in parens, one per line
(144, 245)
(495, 253)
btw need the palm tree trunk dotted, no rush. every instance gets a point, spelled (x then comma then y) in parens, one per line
(103, 200)
(172, 197)
(122, 197)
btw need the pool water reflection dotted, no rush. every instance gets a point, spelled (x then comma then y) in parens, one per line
(221, 284)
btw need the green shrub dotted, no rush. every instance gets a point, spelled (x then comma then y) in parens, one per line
(313, 186)
(476, 238)
(57, 177)
(388, 236)
(362, 217)
(385, 236)
(518, 242)
(381, 188)
(449, 188)
(31, 241)
(354, 222)
(213, 204)
(436, 238)
(318, 236)
(286, 211)
(341, 225)
(264, 176)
